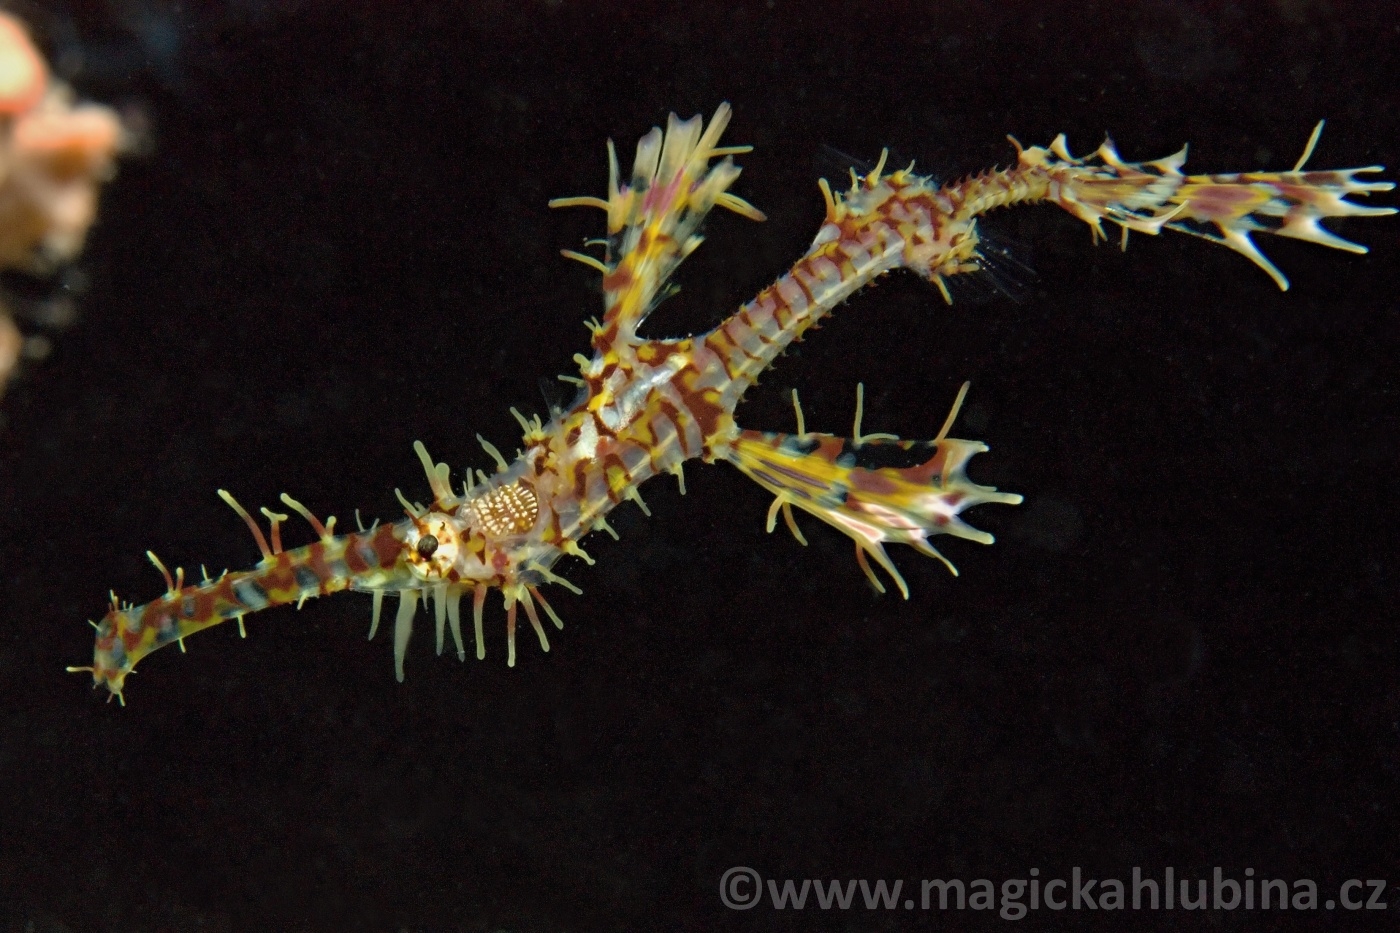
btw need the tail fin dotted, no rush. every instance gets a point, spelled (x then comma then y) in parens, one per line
(1148, 196)
(370, 560)
(822, 474)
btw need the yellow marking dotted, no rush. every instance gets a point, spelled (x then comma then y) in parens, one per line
(641, 433)
(618, 480)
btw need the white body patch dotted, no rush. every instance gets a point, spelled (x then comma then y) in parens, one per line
(633, 399)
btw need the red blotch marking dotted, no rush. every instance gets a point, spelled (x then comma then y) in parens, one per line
(617, 280)
(316, 562)
(870, 481)
(278, 580)
(1224, 201)
(353, 560)
(386, 547)
(204, 603)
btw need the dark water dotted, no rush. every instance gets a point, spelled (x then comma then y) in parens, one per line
(1181, 653)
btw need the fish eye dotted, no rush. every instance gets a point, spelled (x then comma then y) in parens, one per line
(427, 545)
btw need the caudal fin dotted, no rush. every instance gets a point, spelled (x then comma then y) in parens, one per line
(1225, 209)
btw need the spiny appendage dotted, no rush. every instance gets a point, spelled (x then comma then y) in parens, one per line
(446, 600)
(1148, 196)
(127, 633)
(653, 220)
(822, 474)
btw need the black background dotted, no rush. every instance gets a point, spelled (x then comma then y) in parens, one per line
(1181, 651)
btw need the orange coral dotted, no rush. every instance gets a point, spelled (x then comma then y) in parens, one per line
(53, 157)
